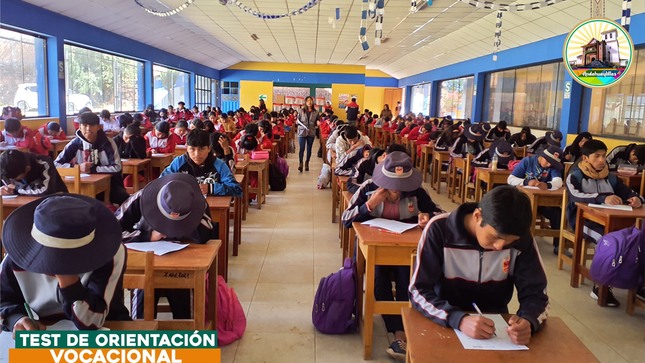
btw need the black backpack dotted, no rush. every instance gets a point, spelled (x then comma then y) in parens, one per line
(277, 180)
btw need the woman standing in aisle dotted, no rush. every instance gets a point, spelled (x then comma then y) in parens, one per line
(307, 118)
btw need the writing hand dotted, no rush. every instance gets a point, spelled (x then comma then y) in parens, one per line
(519, 330)
(7, 189)
(85, 167)
(542, 186)
(635, 202)
(424, 218)
(204, 188)
(27, 324)
(533, 183)
(613, 200)
(477, 327)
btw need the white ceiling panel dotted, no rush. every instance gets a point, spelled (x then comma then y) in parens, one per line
(220, 36)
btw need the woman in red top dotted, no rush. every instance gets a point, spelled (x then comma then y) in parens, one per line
(158, 140)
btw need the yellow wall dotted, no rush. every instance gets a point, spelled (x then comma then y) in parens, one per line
(376, 73)
(350, 89)
(33, 123)
(374, 99)
(251, 90)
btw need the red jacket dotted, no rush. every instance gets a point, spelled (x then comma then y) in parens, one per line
(179, 140)
(161, 146)
(29, 139)
(184, 114)
(414, 133)
(43, 131)
(325, 129)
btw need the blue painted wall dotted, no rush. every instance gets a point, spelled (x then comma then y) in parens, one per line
(575, 110)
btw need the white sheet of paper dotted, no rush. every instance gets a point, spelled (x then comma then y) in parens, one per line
(62, 325)
(158, 154)
(500, 342)
(6, 342)
(609, 206)
(9, 196)
(529, 187)
(160, 248)
(83, 175)
(389, 225)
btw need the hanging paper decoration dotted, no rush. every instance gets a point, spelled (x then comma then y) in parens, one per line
(258, 14)
(378, 22)
(362, 35)
(597, 8)
(512, 8)
(625, 20)
(164, 14)
(498, 35)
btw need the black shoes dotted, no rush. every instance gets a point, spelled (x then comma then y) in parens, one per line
(300, 168)
(306, 167)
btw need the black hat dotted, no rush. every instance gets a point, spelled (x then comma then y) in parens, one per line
(553, 155)
(66, 234)
(474, 132)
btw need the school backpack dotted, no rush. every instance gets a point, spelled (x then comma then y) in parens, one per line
(618, 260)
(277, 181)
(231, 321)
(324, 179)
(334, 310)
(282, 166)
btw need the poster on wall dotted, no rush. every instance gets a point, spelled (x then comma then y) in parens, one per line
(598, 53)
(344, 99)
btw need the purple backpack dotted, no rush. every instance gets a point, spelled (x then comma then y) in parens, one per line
(334, 310)
(282, 166)
(618, 260)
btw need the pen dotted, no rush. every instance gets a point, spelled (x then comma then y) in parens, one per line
(480, 313)
(31, 316)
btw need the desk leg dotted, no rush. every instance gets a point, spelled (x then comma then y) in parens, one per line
(577, 250)
(237, 224)
(478, 189)
(199, 297)
(212, 294)
(368, 327)
(222, 256)
(360, 274)
(106, 194)
(534, 205)
(135, 179)
(334, 187)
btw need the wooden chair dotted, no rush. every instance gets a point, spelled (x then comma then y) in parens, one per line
(633, 302)
(567, 238)
(139, 274)
(469, 186)
(75, 173)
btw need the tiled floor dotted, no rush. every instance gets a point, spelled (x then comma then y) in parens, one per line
(291, 243)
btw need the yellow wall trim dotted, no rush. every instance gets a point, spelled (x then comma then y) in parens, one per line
(297, 67)
(376, 73)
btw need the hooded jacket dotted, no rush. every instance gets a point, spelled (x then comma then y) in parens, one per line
(42, 178)
(102, 153)
(516, 139)
(620, 155)
(214, 172)
(453, 271)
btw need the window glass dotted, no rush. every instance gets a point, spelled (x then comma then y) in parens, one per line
(456, 97)
(420, 99)
(204, 92)
(170, 86)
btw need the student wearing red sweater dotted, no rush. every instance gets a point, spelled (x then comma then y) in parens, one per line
(424, 137)
(14, 134)
(179, 132)
(158, 140)
(414, 132)
(52, 131)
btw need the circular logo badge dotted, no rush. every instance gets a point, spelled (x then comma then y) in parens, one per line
(598, 53)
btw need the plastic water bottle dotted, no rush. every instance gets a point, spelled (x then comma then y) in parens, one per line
(493, 164)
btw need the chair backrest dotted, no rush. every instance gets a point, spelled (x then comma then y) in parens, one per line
(642, 189)
(139, 274)
(73, 173)
(520, 152)
(567, 168)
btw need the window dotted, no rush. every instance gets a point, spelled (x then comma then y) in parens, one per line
(170, 86)
(230, 91)
(456, 97)
(102, 81)
(530, 96)
(420, 97)
(204, 92)
(620, 110)
(23, 73)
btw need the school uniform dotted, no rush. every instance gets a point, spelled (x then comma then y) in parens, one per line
(44, 133)
(453, 271)
(179, 140)
(42, 178)
(29, 139)
(620, 156)
(135, 149)
(462, 147)
(110, 125)
(214, 172)
(342, 145)
(161, 145)
(105, 159)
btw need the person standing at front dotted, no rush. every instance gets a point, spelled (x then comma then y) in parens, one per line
(307, 118)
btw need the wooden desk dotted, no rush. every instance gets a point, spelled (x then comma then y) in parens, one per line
(426, 153)
(11, 204)
(238, 206)
(11, 147)
(131, 325)
(262, 168)
(348, 237)
(59, 146)
(543, 198)
(187, 269)
(242, 168)
(93, 184)
(632, 181)
(219, 207)
(161, 161)
(457, 179)
(180, 150)
(342, 181)
(613, 220)
(133, 167)
(438, 158)
(334, 191)
(500, 176)
(379, 248)
(429, 342)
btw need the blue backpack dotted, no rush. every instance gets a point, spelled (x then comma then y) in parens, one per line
(618, 260)
(334, 310)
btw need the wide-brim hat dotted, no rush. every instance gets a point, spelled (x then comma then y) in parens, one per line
(500, 147)
(173, 205)
(553, 155)
(553, 138)
(67, 234)
(474, 132)
(397, 173)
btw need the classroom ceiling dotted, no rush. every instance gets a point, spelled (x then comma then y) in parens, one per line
(219, 36)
